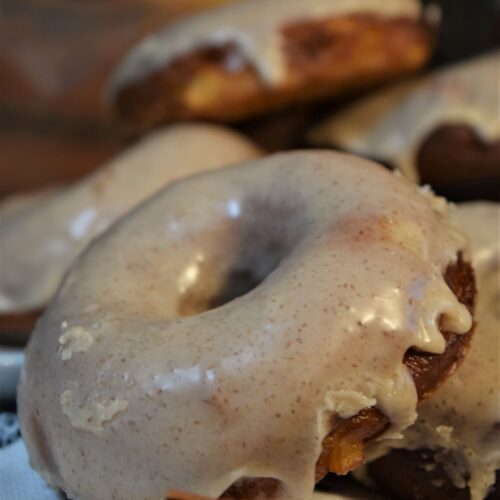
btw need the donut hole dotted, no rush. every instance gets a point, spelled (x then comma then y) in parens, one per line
(460, 164)
(219, 282)
(244, 252)
(222, 279)
(236, 284)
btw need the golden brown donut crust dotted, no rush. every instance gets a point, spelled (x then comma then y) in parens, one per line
(326, 57)
(245, 489)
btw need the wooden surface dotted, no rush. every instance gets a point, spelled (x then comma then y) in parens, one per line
(55, 59)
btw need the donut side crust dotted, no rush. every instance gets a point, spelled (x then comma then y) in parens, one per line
(244, 489)
(326, 57)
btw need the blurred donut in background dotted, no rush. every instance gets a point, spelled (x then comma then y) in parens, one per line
(255, 56)
(442, 129)
(41, 235)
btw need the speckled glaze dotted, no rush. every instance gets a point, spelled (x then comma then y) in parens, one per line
(124, 396)
(461, 420)
(392, 124)
(41, 235)
(253, 26)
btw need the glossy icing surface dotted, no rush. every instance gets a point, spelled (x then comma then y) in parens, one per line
(391, 124)
(135, 382)
(41, 235)
(252, 25)
(460, 421)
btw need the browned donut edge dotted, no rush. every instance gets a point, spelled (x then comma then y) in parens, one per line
(326, 57)
(428, 371)
(244, 489)
(405, 474)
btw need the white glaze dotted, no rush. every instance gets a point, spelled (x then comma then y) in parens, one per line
(248, 388)
(252, 25)
(460, 421)
(40, 236)
(391, 124)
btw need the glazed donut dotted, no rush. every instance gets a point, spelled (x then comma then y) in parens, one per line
(39, 240)
(254, 56)
(454, 443)
(243, 345)
(442, 129)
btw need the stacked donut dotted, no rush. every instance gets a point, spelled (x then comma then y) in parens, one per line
(253, 340)
(223, 324)
(258, 55)
(442, 129)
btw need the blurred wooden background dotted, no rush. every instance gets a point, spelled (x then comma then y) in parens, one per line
(55, 58)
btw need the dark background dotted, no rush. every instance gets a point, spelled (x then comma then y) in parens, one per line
(469, 27)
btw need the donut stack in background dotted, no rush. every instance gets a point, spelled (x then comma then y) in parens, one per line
(221, 320)
(223, 64)
(43, 234)
(442, 129)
